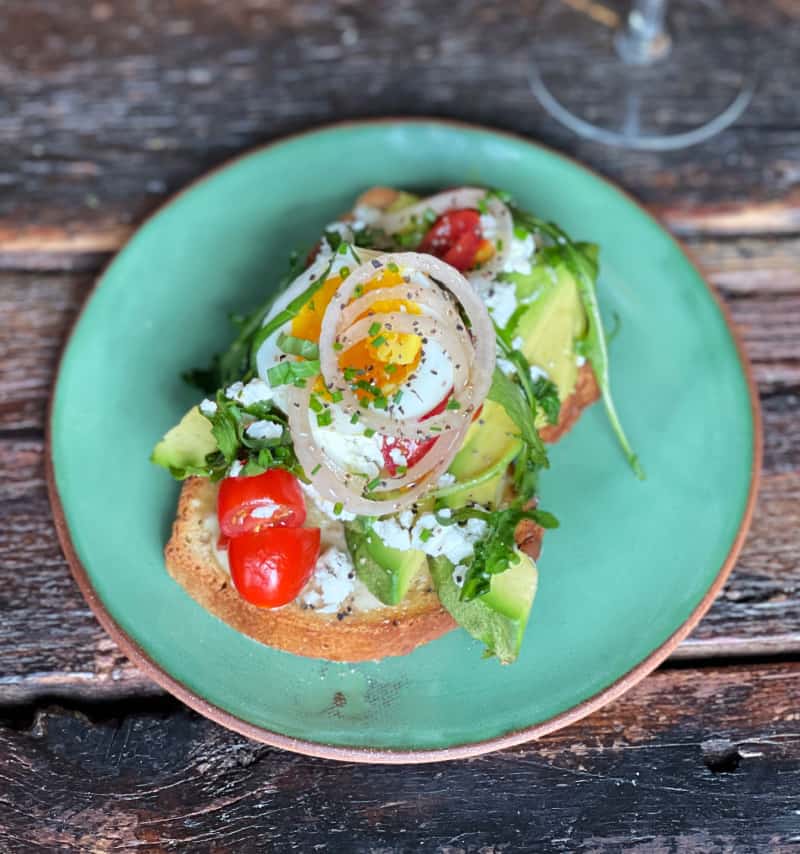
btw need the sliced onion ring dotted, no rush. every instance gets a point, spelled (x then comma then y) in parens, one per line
(457, 199)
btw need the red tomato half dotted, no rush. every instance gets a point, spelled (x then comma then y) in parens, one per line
(271, 566)
(455, 237)
(247, 503)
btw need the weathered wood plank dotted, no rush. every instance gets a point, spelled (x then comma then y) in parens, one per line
(689, 760)
(102, 117)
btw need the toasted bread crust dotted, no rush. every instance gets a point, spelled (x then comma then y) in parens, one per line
(358, 636)
(368, 635)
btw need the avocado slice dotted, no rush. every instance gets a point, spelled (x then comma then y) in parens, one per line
(491, 438)
(184, 448)
(387, 573)
(499, 617)
(487, 487)
(550, 324)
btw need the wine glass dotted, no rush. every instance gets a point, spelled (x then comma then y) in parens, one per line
(654, 76)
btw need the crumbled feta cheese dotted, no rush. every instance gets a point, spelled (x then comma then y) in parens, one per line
(398, 457)
(538, 373)
(455, 542)
(208, 407)
(518, 343)
(256, 391)
(459, 573)
(505, 366)
(265, 511)
(488, 227)
(580, 361)
(346, 445)
(501, 300)
(236, 469)
(406, 518)
(445, 512)
(332, 582)
(392, 534)
(367, 214)
(519, 257)
(446, 480)
(264, 430)
(326, 507)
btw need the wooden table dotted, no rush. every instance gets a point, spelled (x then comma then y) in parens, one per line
(105, 109)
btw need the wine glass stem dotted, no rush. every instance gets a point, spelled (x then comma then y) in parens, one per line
(644, 38)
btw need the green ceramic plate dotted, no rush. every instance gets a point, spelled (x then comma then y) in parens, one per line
(627, 575)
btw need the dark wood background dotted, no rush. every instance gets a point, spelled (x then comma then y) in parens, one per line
(108, 107)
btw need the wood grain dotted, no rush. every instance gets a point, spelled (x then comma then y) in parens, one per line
(109, 107)
(689, 760)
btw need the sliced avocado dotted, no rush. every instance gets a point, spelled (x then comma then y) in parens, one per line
(550, 324)
(497, 618)
(492, 437)
(486, 488)
(184, 448)
(387, 573)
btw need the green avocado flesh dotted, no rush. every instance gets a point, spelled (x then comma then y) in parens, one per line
(499, 617)
(549, 325)
(186, 445)
(386, 573)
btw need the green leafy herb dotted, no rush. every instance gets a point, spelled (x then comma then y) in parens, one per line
(288, 372)
(497, 549)
(298, 346)
(546, 393)
(581, 261)
(521, 409)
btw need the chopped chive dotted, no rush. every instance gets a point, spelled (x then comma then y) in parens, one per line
(369, 432)
(453, 404)
(482, 206)
(336, 395)
(435, 429)
(358, 290)
(401, 470)
(325, 418)
(343, 248)
(337, 508)
(344, 272)
(375, 328)
(520, 233)
(373, 483)
(499, 245)
(392, 267)
(397, 396)
(380, 402)
(425, 534)
(390, 368)
(316, 468)
(315, 403)
(337, 345)
(354, 418)
(376, 342)
(350, 374)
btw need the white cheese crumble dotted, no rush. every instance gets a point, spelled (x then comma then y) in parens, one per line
(398, 457)
(459, 573)
(256, 391)
(332, 582)
(488, 227)
(455, 542)
(518, 343)
(236, 469)
(264, 430)
(367, 214)
(208, 407)
(346, 445)
(446, 480)
(519, 257)
(501, 301)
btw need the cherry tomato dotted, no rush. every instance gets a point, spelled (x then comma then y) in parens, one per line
(272, 498)
(455, 237)
(270, 567)
(414, 451)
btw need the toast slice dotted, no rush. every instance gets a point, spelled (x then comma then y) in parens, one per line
(353, 634)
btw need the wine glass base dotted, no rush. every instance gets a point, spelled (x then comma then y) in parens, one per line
(694, 89)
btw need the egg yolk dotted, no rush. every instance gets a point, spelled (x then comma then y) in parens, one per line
(384, 360)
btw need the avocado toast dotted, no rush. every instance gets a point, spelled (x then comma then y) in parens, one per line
(430, 538)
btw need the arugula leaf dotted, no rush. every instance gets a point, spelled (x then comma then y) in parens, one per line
(496, 550)
(546, 393)
(511, 397)
(581, 261)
